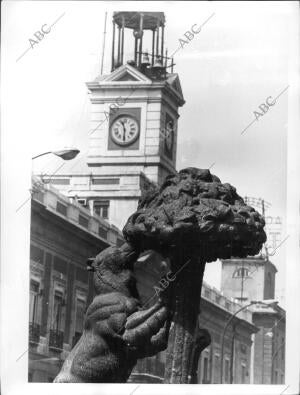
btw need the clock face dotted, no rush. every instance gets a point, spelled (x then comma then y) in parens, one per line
(124, 130)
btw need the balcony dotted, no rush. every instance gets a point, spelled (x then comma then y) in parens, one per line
(34, 333)
(56, 340)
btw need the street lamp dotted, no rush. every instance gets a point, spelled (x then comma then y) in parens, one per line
(269, 303)
(65, 154)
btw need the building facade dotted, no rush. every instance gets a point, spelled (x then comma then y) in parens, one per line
(63, 236)
(215, 311)
(269, 345)
(253, 279)
(254, 343)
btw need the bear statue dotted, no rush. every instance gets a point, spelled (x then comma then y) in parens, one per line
(117, 330)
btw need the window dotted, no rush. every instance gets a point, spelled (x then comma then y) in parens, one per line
(205, 377)
(36, 254)
(101, 208)
(243, 374)
(216, 368)
(60, 265)
(83, 202)
(58, 316)
(56, 336)
(273, 239)
(241, 272)
(82, 275)
(60, 181)
(105, 181)
(34, 302)
(80, 311)
(34, 312)
(243, 348)
(227, 371)
(80, 305)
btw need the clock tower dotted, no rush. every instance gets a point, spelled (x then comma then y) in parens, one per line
(134, 119)
(135, 108)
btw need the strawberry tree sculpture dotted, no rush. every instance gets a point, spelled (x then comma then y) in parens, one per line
(192, 219)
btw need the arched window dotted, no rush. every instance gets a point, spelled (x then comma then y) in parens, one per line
(241, 272)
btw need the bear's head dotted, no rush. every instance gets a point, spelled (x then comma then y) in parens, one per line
(113, 270)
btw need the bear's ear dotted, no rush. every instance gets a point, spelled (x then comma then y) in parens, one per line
(90, 264)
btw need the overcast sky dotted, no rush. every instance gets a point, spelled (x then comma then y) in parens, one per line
(238, 60)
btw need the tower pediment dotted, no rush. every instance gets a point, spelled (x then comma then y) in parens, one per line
(124, 74)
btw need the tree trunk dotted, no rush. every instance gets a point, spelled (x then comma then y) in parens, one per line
(186, 294)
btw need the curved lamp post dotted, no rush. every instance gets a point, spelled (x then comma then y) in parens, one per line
(65, 154)
(271, 303)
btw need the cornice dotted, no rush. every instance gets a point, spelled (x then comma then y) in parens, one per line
(164, 86)
(154, 160)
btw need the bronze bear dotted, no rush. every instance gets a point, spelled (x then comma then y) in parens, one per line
(117, 331)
